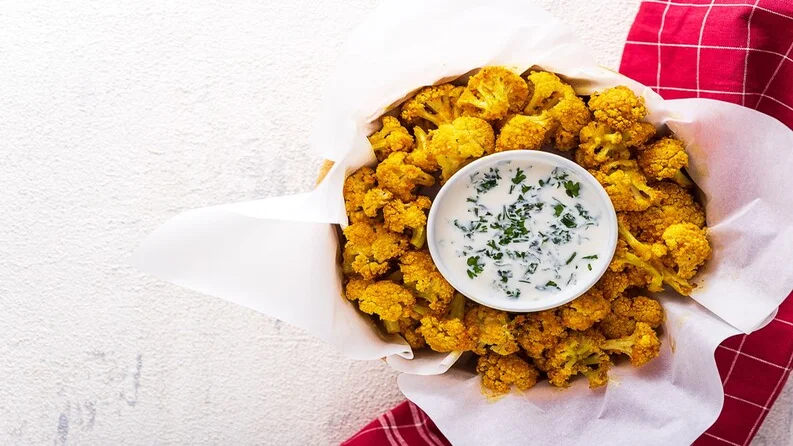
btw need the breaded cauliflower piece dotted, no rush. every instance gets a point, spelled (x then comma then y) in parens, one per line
(617, 107)
(538, 332)
(523, 132)
(587, 309)
(492, 93)
(578, 353)
(398, 216)
(688, 247)
(460, 142)
(675, 205)
(500, 373)
(420, 274)
(626, 185)
(626, 311)
(369, 248)
(642, 346)
(374, 200)
(401, 178)
(663, 159)
(355, 187)
(384, 298)
(492, 329)
(436, 104)
(391, 138)
(422, 156)
(548, 93)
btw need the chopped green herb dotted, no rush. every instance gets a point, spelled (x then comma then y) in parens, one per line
(558, 209)
(570, 259)
(569, 221)
(572, 188)
(589, 265)
(593, 256)
(475, 266)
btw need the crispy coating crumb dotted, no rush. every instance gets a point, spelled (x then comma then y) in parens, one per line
(391, 138)
(384, 298)
(492, 93)
(501, 372)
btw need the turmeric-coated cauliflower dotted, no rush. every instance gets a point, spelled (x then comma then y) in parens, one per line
(492, 93)
(384, 298)
(663, 159)
(626, 185)
(617, 107)
(374, 200)
(446, 335)
(626, 311)
(675, 205)
(688, 247)
(599, 144)
(642, 346)
(391, 138)
(578, 353)
(523, 132)
(398, 216)
(401, 178)
(369, 248)
(549, 94)
(491, 328)
(354, 191)
(436, 104)
(460, 142)
(500, 373)
(587, 309)
(421, 156)
(408, 328)
(420, 274)
(538, 332)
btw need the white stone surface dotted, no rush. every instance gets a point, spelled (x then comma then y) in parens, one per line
(118, 115)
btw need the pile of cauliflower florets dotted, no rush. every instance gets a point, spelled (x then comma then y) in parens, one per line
(662, 235)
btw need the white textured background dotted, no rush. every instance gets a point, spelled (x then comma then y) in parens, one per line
(114, 118)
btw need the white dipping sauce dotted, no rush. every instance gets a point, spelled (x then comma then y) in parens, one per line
(523, 230)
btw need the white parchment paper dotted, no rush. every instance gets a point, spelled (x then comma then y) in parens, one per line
(279, 256)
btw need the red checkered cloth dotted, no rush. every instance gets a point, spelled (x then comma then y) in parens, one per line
(731, 50)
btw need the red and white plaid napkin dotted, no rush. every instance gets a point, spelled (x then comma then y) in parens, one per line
(738, 51)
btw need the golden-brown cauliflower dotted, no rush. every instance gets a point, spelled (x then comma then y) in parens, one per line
(355, 188)
(617, 107)
(401, 178)
(688, 247)
(523, 132)
(421, 156)
(626, 311)
(642, 346)
(436, 104)
(675, 205)
(456, 144)
(391, 138)
(492, 93)
(626, 185)
(420, 273)
(408, 328)
(398, 216)
(491, 328)
(538, 332)
(446, 335)
(500, 373)
(549, 94)
(663, 159)
(374, 200)
(384, 298)
(587, 309)
(578, 353)
(369, 248)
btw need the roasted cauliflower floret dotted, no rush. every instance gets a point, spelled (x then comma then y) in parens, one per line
(408, 328)
(374, 200)
(538, 332)
(579, 353)
(492, 93)
(613, 284)
(355, 188)
(391, 138)
(456, 144)
(617, 107)
(399, 216)
(663, 160)
(436, 104)
(642, 346)
(645, 260)
(626, 311)
(688, 247)
(599, 144)
(420, 274)
(384, 298)
(446, 335)
(587, 309)
(422, 156)
(500, 373)
(369, 248)
(401, 178)
(569, 113)
(626, 185)
(675, 205)
(491, 329)
(523, 132)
